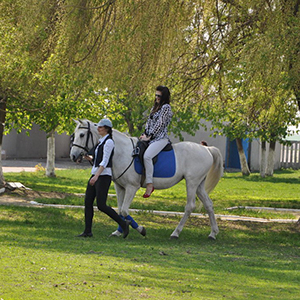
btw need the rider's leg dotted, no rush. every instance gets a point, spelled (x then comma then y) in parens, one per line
(152, 150)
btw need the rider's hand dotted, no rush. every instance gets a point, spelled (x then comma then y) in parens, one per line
(143, 137)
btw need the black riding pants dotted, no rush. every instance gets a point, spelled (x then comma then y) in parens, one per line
(99, 191)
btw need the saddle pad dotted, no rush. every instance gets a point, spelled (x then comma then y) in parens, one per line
(164, 167)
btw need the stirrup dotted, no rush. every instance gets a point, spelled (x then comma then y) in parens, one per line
(135, 152)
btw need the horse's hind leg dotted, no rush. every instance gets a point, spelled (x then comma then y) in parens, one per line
(208, 205)
(190, 206)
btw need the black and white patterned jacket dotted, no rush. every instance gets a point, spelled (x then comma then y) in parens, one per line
(157, 124)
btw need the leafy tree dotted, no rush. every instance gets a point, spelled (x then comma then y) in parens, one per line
(18, 62)
(245, 66)
(137, 56)
(44, 78)
(232, 62)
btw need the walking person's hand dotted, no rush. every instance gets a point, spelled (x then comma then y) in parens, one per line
(93, 180)
(87, 157)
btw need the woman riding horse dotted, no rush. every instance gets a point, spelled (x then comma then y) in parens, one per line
(156, 133)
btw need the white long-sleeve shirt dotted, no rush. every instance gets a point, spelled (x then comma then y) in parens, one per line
(107, 150)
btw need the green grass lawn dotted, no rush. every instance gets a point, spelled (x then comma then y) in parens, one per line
(41, 258)
(280, 191)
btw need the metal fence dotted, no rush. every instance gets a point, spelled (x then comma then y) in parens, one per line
(289, 156)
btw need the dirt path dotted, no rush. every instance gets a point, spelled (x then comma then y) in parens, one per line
(24, 197)
(27, 198)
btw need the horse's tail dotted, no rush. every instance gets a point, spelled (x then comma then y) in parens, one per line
(216, 170)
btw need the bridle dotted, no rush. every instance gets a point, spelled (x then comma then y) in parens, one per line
(86, 149)
(89, 135)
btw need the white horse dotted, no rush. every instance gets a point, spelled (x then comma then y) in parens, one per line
(200, 166)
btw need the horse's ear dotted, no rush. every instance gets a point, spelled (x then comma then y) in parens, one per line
(78, 121)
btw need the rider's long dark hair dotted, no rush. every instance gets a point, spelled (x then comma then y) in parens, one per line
(165, 98)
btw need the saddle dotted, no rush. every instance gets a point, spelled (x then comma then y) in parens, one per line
(164, 163)
(141, 147)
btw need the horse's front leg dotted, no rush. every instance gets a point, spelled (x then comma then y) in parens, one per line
(190, 206)
(208, 205)
(130, 192)
(120, 191)
(127, 195)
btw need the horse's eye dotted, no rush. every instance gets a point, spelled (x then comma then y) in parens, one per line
(81, 135)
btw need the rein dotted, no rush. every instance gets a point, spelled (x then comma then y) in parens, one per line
(129, 164)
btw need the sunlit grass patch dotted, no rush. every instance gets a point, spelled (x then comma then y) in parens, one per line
(279, 191)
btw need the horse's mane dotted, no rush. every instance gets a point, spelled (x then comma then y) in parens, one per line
(85, 121)
(121, 133)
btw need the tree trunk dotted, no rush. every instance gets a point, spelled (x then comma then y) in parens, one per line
(271, 156)
(263, 162)
(50, 167)
(2, 121)
(243, 160)
(2, 181)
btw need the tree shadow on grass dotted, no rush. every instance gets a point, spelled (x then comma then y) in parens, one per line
(248, 249)
(48, 221)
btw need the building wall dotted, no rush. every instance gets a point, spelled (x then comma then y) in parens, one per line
(33, 146)
(201, 134)
(220, 142)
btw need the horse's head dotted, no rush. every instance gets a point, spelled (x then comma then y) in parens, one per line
(83, 139)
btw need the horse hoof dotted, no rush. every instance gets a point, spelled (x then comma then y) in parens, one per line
(143, 232)
(115, 233)
(212, 238)
(174, 237)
